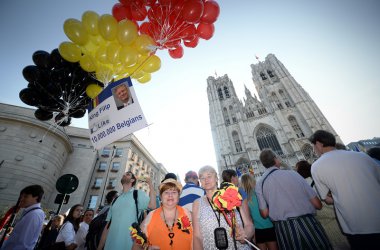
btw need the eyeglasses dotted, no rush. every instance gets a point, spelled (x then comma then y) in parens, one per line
(208, 177)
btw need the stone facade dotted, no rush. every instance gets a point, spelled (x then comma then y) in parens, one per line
(36, 152)
(282, 118)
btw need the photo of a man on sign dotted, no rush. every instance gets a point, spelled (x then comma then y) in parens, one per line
(122, 96)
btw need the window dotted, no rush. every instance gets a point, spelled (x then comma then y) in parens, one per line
(106, 152)
(293, 122)
(119, 152)
(225, 116)
(276, 101)
(235, 138)
(270, 73)
(234, 120)
(220, 93)
(98, 182)
(111, 183)
(115, 166)
(263, 76)
(93, 201)
(285, 98)
(267, 139)
(102, 166)
(226, 92)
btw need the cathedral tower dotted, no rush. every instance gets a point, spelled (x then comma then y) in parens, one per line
(282, 118)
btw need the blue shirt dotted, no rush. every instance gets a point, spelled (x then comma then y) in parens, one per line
(123, 214)
(190, 192)
(258, 221)
(25, 234)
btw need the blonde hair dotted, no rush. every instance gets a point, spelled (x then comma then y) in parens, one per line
(207, 169)
(248, 183)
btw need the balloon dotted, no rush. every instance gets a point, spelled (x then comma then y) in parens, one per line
(127, 32)
(176, 53)
(87, 63)
(193, 43)
(205, 30)
(210, 12)
(70, 52)
(113, 53)
(31, 73)
(29, 96)
(62, 119)
(120, 12)
(139, 12)
(41, 58)
(192, 11)
(145, 44)
(93, 90)
(108, 27)
(43, 115)
(77, 113)
(75, 31)
(90, 22)
(152, 64)
(101, 54)
(189, 32)
(128, 56)
(145, 78)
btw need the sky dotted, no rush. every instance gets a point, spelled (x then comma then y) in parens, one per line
(331, 48)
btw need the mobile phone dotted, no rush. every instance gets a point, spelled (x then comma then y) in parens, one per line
(220, 235)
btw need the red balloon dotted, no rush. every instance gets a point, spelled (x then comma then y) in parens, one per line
(188, 32)
(176, 53)
(120, 12)
(139, 12)
(205, 30)
(173, 43)
(210, 12)
(192, 11)
(193, 43)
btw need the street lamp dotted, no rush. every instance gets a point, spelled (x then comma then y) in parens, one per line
(108, 172)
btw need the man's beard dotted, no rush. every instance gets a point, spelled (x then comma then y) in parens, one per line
(125, 180)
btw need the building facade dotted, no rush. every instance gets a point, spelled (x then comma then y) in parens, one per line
(36, 152)
(282, 117)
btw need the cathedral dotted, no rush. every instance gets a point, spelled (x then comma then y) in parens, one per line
(282, 117)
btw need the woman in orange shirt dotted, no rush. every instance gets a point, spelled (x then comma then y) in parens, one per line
(169, 226)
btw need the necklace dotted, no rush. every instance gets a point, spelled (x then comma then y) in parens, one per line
(171, 233)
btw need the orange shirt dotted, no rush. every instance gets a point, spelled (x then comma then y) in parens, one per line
(158, 233)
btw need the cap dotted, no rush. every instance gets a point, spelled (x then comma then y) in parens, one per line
(169, 176)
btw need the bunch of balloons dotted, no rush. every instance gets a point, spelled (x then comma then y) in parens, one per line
(57, 88)
(111, 49)
(171, 23)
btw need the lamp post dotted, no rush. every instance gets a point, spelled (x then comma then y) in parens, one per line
(108, 172)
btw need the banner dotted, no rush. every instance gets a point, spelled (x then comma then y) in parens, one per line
(114, 114)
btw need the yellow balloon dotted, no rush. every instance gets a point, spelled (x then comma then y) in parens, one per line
(152, 64)
(108, 27)
(127, 32)
(90, 22)
(70, 51)
(101, 54)
(128, 56)
(93, 90)
(104, 73)
(75, 31)
(98, 40)
(138, 74)
(145, 78)
(132, 70)
(87, 63)
(113, 53)
(145, 44)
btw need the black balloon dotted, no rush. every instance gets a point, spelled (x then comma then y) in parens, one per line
(56, 87)
(43, 115)
(41, 59)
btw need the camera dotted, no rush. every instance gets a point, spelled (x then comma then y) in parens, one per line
(220, 235)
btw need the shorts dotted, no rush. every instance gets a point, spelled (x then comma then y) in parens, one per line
(265, 235)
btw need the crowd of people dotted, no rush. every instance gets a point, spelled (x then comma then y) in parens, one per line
(282, 209)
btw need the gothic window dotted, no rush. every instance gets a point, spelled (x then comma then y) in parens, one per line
(226, 92)
(234, 120)
(220, 93)
(308, 153)
(263, 76)
(276, 101)
(235, 138)
(250, 113)
(225, 116)
(285, 98)
(297, 129)
(267, 139)
(270, 73)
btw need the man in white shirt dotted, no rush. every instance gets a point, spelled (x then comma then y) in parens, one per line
(122, 94)
(351, 181)
(25, 234)
(80, 236)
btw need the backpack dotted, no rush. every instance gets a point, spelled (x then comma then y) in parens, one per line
(98, 224)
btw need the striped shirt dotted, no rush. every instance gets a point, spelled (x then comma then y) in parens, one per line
(190, 193)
